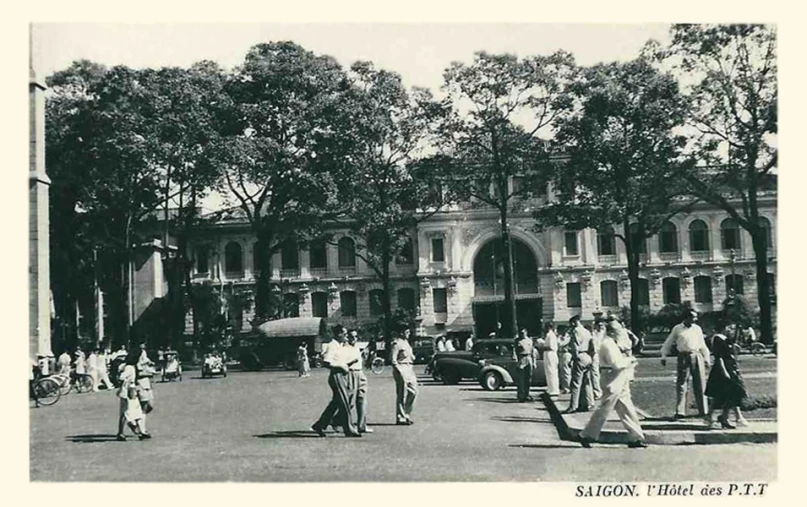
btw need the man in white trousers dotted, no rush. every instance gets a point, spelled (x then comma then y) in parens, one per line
(550, 349)
(616, 374)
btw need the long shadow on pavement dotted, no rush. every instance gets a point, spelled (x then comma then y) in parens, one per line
(91, 439)
(544, 446)
(520, 419)
(494, 400)
(289, 434)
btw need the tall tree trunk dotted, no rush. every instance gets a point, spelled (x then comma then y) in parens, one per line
(386, 284)
(508, 316)
(263, 296)
(632, 252)
(760, 242)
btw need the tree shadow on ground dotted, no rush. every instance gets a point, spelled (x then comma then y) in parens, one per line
(91, 439)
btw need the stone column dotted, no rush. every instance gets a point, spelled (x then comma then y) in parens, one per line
(38, 223)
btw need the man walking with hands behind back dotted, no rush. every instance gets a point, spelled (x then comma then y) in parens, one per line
(693, 358)
(406, 383)
(522, 353)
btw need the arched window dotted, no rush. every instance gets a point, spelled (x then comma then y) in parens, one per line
(347, 300)
(376, 302)
(319, 304)
(637, 239)
(765, 224)
(734, 282)
(233, 258)
(643, 291)
(671, 288)
(406, 299)
(703, 289)
(668, 238)
(698, 236)
(202, 260)
(347, 253)
(608, 293)
(730, 234)
(606, 242)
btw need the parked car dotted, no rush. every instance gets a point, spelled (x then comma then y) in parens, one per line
(423, 349)
(499, 371)
(453, 367)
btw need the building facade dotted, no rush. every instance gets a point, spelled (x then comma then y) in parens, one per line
(452, 278)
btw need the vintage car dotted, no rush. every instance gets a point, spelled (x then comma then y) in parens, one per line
(423, 349)
(497, 372)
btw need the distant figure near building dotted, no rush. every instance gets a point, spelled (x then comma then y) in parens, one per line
(469, 343)
(693, 359)
(581, 347)
(523, 355)
(564, 362)
(303, 367)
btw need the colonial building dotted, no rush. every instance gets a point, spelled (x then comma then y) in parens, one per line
(453, 277)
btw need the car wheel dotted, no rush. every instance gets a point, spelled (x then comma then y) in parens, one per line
(492, 381)
(450, 378)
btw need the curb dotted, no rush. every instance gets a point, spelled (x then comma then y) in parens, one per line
(664, 432)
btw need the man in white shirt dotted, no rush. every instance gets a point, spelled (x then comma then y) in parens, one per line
(441, 344)
(693, 358)
(469, 343)
(338, 360)
(617, 371)
(406, 383)
(597, 336)
(359, 380)
(550, 348)
(450, 345)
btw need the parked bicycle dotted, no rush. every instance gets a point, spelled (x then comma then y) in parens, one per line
(82, 382)
(45, 391)
(374, 363)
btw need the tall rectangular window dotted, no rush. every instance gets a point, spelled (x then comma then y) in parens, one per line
(440, 300)
(672, 290)
(376, 302)
(347, 300)
(438, 254)
(608, 293)
(318, 255)
(703, 289)
(319, 304)
(643, 291)
(202, 264)
(574, 296)
(570, 243)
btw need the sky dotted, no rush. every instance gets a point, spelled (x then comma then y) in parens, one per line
(419, 52)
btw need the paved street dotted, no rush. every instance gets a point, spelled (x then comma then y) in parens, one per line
(254, 427)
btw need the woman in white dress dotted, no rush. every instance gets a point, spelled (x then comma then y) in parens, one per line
(130, 411)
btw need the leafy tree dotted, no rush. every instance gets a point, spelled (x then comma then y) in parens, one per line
(623, 160)
(107, 189)
(274, 154)
(499, 105)
(729, 71)
(384, 192)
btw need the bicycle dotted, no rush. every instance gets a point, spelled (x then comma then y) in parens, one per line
(375, 363)
(83, 382)
(46, 391)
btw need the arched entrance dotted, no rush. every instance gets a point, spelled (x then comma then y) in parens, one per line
(488, 298)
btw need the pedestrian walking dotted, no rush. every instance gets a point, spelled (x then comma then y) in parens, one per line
(523, 349)
(550, 354)
(80, 362)
(693, 359)
(64, 363)
(103, 369)
(337, 360)
(359, 381)
(725, 386)
(406, 383)
(617, 372)
(564, 362)
(597, 336)
(303, 367)
(130, 410)
(581, 348)
(92, 368)
(145, 393)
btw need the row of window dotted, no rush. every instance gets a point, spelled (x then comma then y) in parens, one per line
(318, 258)
(668, 238)
(671, 290)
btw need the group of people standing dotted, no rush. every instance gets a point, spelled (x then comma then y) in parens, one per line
(349, 385)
